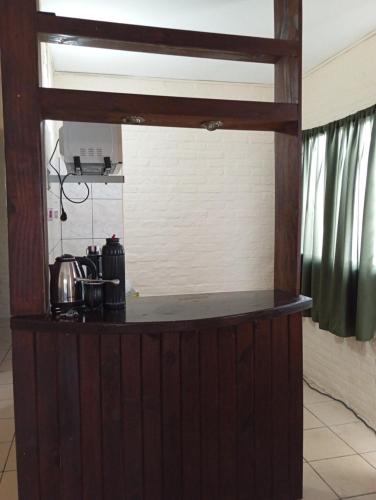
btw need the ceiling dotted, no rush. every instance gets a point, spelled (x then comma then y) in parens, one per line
(329, 26)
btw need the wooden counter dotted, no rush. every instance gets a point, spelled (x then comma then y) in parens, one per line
(177, 398)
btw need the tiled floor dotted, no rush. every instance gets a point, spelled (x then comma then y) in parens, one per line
(8, 474)
(339, 451)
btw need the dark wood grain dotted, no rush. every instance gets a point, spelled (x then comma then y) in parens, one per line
(47, 405)
(26, 416)
(107, 35)
(296, 405)
(263, 446)
(171, 417)
(280, 408)
(132, 416)
(227, 414)
(151, 400)
(69, 417)
(177, 313)
(288, 78)
(91, 417)
(190, 424)
(163, 111)
(245, 411)
(112, 422)
(209, 414)
(24, 171)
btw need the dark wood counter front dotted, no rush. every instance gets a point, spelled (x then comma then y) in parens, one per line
(177, 398)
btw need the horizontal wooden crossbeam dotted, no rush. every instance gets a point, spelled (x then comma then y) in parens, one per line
(106, 107)
(107, 35)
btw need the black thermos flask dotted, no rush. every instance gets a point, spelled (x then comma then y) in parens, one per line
(113, 267)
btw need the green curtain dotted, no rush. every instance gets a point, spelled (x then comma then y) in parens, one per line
(339, 224)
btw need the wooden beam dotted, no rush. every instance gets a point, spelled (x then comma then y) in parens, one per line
(23, 156)
(288, 151)
(106, 107)
(106, 35)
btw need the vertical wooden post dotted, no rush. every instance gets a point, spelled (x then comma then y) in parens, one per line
(26, 221)
(24, 171)
(288, 75)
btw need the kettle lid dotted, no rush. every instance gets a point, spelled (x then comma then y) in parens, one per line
(65, 258)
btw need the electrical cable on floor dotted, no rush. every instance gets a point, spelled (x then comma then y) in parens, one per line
(342, 402)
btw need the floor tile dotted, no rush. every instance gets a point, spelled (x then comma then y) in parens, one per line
(6, 392)
(322, 443)
(3, 354)
(8, 486)
(4, 451)
(311, 396)
(357, 436)
(6, 430)
(6, 377)
(370, 457)
(11, 462)
(364, 497)
(6, 408)
(310, 421)
(314, 487)
(348, 476)
(331, 412)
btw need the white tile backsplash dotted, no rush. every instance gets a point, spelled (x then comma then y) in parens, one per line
(80, 220)
(107, 191)
(77, 191)
(76, 247)
(107, 218)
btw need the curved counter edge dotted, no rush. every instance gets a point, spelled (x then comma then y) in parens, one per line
(174, 313)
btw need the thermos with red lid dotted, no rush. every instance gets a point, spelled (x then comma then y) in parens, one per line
(113, 267)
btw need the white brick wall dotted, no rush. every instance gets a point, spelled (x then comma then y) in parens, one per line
(343, 367)
(199, 206)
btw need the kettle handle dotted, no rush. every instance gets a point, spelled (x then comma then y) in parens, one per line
(85, 261)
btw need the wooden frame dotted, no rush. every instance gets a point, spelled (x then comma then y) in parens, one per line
(25, 106)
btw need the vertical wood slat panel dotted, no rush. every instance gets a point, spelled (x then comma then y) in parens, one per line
(171, 422)
(245, 389)
(112, 446)
(132, 416)
(227, 414)
(47, 404)
(91, 419)
(69, 417)
(296, 404)
(262, 415)
(209, 414)
(151, 387)
(190, 387)
(280, 408)
(25, 398)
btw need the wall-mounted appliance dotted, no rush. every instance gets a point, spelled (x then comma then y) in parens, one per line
(91, 148)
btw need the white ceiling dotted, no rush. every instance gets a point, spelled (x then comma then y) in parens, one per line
(329, 26)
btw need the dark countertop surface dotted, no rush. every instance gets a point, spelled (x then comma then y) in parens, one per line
(174, 311)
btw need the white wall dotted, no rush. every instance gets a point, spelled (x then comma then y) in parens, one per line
(199, 206)
(343, 367)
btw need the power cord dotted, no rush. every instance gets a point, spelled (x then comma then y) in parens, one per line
(63, 214)
(342, 402)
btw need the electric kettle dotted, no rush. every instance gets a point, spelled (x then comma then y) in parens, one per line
(67, 278)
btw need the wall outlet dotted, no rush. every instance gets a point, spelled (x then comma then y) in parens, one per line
(50, 214)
